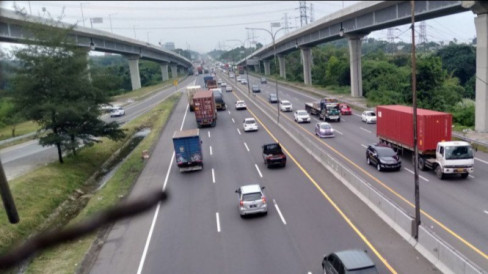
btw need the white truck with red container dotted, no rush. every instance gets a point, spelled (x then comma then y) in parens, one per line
(394, 126)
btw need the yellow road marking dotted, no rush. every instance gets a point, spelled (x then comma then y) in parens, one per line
(344, 216)
(448, 230)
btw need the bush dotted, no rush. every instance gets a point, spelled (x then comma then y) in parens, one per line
(463, 113)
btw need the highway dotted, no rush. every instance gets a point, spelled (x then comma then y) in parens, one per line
(454, 208)
(22, 158)
(199, 229)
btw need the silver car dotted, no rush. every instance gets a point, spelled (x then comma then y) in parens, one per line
(252, 200)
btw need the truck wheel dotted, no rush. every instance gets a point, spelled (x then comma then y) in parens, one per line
(421, 163)
(378, 167)
(438, 172)
(464, 175)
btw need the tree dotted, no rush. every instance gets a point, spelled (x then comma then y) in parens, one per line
(459, 60)
(51, 87)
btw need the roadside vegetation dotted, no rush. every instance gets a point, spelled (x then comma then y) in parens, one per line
(42, 192)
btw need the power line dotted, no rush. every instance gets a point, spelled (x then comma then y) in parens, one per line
(199, 26)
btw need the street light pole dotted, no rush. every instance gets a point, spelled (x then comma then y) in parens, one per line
(273, 36)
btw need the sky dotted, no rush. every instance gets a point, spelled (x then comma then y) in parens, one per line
(206, 25)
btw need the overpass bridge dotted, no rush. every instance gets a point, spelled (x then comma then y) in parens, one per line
(359, 20)
(11, 30)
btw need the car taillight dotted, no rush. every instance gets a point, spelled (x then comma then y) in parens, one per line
(268, 157)
(241, 203)
(264, 200)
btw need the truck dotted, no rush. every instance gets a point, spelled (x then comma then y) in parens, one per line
(212, 84)
(327, 109)
(188, 150)
(436, 151)
(200, 69)
(205, 109)
(219, 99)
(206, 79)
(273, 155)
(190, 92)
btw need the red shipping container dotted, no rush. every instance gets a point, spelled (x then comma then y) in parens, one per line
(204, 104)
(394, 123)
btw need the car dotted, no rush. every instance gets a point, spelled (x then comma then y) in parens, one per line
(252, 200)
(106, 108)
(244, 81)
(285, 105)
(228, 89)
(263, 80)
(223, 85)
(240, 105)
(232, 75)
(348, 261)
(117, 111)
(301, 116)
(345, 109)
(383, 157)
(324, 130)
(219, 82)
(369, 116)
(272, 98)
(250, 124)
(256, 88)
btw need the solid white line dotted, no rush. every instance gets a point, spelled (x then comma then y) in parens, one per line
(233, 121)
(184, 117)
(228, 111)
(368, 131)
(211, 150)
(246, 146)
(338, 132)
(421, 177)
(208, 134)
(259, 171)
(483, 161)
(238, 131)
(213, 176)
(148, 240)
(218, 221)
(279, 212)
(364, 146)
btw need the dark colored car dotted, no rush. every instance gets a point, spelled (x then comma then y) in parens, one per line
(273, 155)
(349, 261)
(272, 98)
(383, 157)
(256, 88)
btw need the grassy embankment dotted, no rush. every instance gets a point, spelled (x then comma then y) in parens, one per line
(40, 193)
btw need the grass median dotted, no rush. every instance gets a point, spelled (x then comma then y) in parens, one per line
(40, 193)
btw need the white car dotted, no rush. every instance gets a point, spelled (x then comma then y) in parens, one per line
(285, 105)
(117, 112)
(228, 89)
(250, 124)
(369, 116)
(223, 85)
(252, 200)
(301, 116)
(240, 105)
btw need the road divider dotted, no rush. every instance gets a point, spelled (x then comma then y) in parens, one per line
(213, 176)
(279, 212)
(259, 171)
(246, 146)
(218, 221)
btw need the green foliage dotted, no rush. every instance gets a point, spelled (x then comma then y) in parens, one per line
(459, 59)
(51, 87)
(463, 113)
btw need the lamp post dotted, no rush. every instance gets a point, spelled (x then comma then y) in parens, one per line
(273, 36)
(110, 19)
(243, 44)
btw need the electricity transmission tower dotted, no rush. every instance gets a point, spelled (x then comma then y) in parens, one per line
(303, 13)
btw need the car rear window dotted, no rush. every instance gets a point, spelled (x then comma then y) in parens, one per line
(386, 152)
(251, 196)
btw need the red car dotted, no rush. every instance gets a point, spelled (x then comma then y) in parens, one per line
(345, 109)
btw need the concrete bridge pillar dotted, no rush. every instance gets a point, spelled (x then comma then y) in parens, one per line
(135, 77)
(355, 65)
(257, 69)
(174, 71)
(164, 71)
(481, 113)
(267, 69)
(281, 62)
(307, 65)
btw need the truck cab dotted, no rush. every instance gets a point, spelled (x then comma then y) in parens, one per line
(452, 157)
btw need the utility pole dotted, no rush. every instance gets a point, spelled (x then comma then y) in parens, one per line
(311, 12)
(390, 38)
(134, 28)
(303, 13)
(423, 33)
(415, 230)
(82, 16)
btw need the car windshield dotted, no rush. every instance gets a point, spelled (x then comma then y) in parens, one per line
(386, 152)
(461, 152)
(251, 196)
(286, 103)
(272, 95)
(325, 126)
(302, 112)
(250, 122)
(370, 114)
(369, 270)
